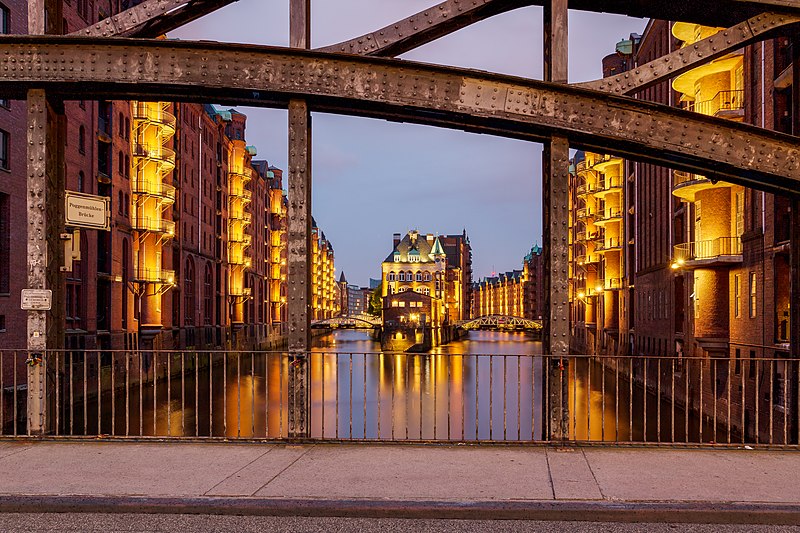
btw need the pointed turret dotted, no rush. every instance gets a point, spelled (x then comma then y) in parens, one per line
(342, 279)
(438, 249)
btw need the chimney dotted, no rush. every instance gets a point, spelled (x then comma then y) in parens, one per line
(429, 238)
(396, 239)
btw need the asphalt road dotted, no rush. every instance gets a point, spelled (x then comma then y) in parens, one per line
(11, 522)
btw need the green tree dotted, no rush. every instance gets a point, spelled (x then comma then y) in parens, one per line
(376, 301)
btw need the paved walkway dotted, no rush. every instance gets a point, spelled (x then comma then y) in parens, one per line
(412, 481)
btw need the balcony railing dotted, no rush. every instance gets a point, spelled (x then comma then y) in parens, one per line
(586, 188)
(613, 284)
(153, 188)
(585, 212)
(246, 218)
(156, 225)
(155, 275)
(722, 101)
(154, 113)
(611, 184)
(154, 152)
(245, 240)
(611, 213)
(244, 176)
(681, 178)
(711, 249)
(605, 245)
(241, 193)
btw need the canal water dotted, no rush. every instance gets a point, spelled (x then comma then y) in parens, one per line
(487, 386)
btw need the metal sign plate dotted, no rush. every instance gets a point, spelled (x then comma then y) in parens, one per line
(37, 299)
(87, 211)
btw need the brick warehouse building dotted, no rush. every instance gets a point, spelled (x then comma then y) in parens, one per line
(707, 262)
(516, 293)
(196, 255)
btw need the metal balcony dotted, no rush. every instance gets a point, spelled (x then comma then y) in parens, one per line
(721, 251)
(154, 114)
(614, 284)
(159, 276)
(153, 224)
(154, 152)
(153, 188)
(611, 214)
(726, 104)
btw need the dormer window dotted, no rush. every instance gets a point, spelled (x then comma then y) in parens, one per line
(397, 257)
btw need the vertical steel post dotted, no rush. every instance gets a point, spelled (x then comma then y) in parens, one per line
(45, 176)
(794, 294)
(299, 244)
(555, 182)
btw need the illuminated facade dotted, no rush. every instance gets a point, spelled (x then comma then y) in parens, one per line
(324, 288)
(597, 242)
(517, 293)
(422, 263)
(152, 196)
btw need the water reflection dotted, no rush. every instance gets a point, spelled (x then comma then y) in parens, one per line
(455, 393)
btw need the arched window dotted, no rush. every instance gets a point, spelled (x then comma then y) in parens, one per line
(189, 303)
(419, 276)
(391, 276)
(121, 125)
(126, 274)
(401, 276)
(127, 166)
(121, 163)
(82, 140)
(81, 179)
(427, 276)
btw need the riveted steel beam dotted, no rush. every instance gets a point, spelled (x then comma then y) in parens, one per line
(759, 28)
(404, 91)
(452, 15)
(152, 18)
(299, 244)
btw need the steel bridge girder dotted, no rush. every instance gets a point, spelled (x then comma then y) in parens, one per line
(399, 90)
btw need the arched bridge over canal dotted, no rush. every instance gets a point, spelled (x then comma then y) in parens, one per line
(348, 322)
(501, 322)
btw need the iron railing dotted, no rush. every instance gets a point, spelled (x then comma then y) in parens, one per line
(722, 101)
(710, 249)
(705, 401)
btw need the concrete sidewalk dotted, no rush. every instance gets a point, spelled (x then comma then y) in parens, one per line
(747, 486)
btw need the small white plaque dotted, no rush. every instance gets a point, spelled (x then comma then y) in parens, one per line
(37, 299)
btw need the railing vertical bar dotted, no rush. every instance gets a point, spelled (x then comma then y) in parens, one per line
(419, 382)
(687, 405)
(238, 394)
(630, 400)
(797, 411)
(2, 393)
(15, 413)
(99, 394)
(714, 376)
(477, 396)
(771, 399)
(785, 374)
(252, 394)
(658, 401)
(113, 395)
(574, 412)
(183, 393)
(602, 400)
(588, 399)
(463, 402)
(225, 394)
(322, 378)
(644, 400)
(364, 384)
(491, 398)
(519, 398)
(616, 398)
(433, 381)
(211, 393)
(85, 394)
(533, 397)
(380, 396)
(672, 401)
(141, 395)
(744, 402)
(729, 420)
(266, 396)
(280, 392)
(449, 396)
(505, 397)
(702, 404)
(407, 395)
(337, 394)
(394, 379)
(757, 401)
(197, 394)
(58, 395)
(155, 393)
(169, 394)
(350, 409)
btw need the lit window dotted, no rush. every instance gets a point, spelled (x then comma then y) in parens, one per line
(402, 304)
(753, 295)
(402, 276)
(419, 276)
(737, 295)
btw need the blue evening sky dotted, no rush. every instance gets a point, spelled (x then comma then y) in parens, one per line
(374, 178)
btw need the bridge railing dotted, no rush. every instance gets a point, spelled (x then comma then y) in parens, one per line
(409, 397)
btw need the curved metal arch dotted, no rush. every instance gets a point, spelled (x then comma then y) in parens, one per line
(346, 320)
(452, 15)
(500, 320)
(72, 67)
